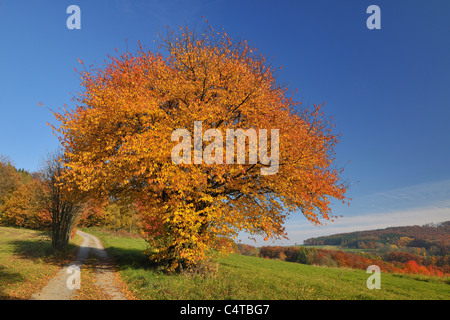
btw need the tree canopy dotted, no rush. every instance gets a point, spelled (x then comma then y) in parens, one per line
(117, 142)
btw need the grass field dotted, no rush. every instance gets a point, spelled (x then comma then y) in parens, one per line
(244, 277)
(329, 247)
(25, 263)
(25, 267)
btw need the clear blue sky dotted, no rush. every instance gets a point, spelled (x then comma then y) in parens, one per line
(388, 89)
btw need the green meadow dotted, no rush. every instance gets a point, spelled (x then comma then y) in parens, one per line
(26, 266)
(25, 261)
(245, 277)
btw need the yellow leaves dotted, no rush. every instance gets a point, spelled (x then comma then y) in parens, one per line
(118, 141)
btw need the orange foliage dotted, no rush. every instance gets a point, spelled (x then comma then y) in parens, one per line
(352, 260)
(92, 213)
(22, 207)
(118, 142)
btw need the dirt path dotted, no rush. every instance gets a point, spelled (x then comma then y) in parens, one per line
(58, 288)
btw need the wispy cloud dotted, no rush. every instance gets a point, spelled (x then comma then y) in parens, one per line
(417, 216)
(419, 195)
(413, 205)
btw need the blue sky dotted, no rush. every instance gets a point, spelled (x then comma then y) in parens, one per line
(387, 89)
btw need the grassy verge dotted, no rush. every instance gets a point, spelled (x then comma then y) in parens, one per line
(244, 277)
(25, 262)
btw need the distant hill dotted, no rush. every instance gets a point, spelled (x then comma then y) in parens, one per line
(410, 249)
(433, 237)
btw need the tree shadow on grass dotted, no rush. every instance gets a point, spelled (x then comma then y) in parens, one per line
(32, 249)
(6, 278)
(230, 265)
(39, 250)
(127, 258)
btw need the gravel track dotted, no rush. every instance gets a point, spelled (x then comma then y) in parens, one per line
(57, 288)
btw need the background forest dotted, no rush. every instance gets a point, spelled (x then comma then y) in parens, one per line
(21, 205)
(409, 249)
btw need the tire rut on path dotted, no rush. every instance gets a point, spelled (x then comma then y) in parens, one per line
(57, 288)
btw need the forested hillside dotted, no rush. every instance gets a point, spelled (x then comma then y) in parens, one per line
(409, 249)
(434, 238)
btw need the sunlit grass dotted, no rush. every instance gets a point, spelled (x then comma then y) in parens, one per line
(25, 262)
(244, 277)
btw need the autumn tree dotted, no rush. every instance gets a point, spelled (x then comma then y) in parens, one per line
(19, 205)
(62, 204)
(10, 179)
(119, 141)
(122, 216)
(23, 208)
(92, 213)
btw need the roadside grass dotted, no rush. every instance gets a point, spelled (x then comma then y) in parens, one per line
(25, 261)
(245, 277)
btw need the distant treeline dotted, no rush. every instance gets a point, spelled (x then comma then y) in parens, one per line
(398, 262)
(434, 238)
(21, 204)
(409, 249)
